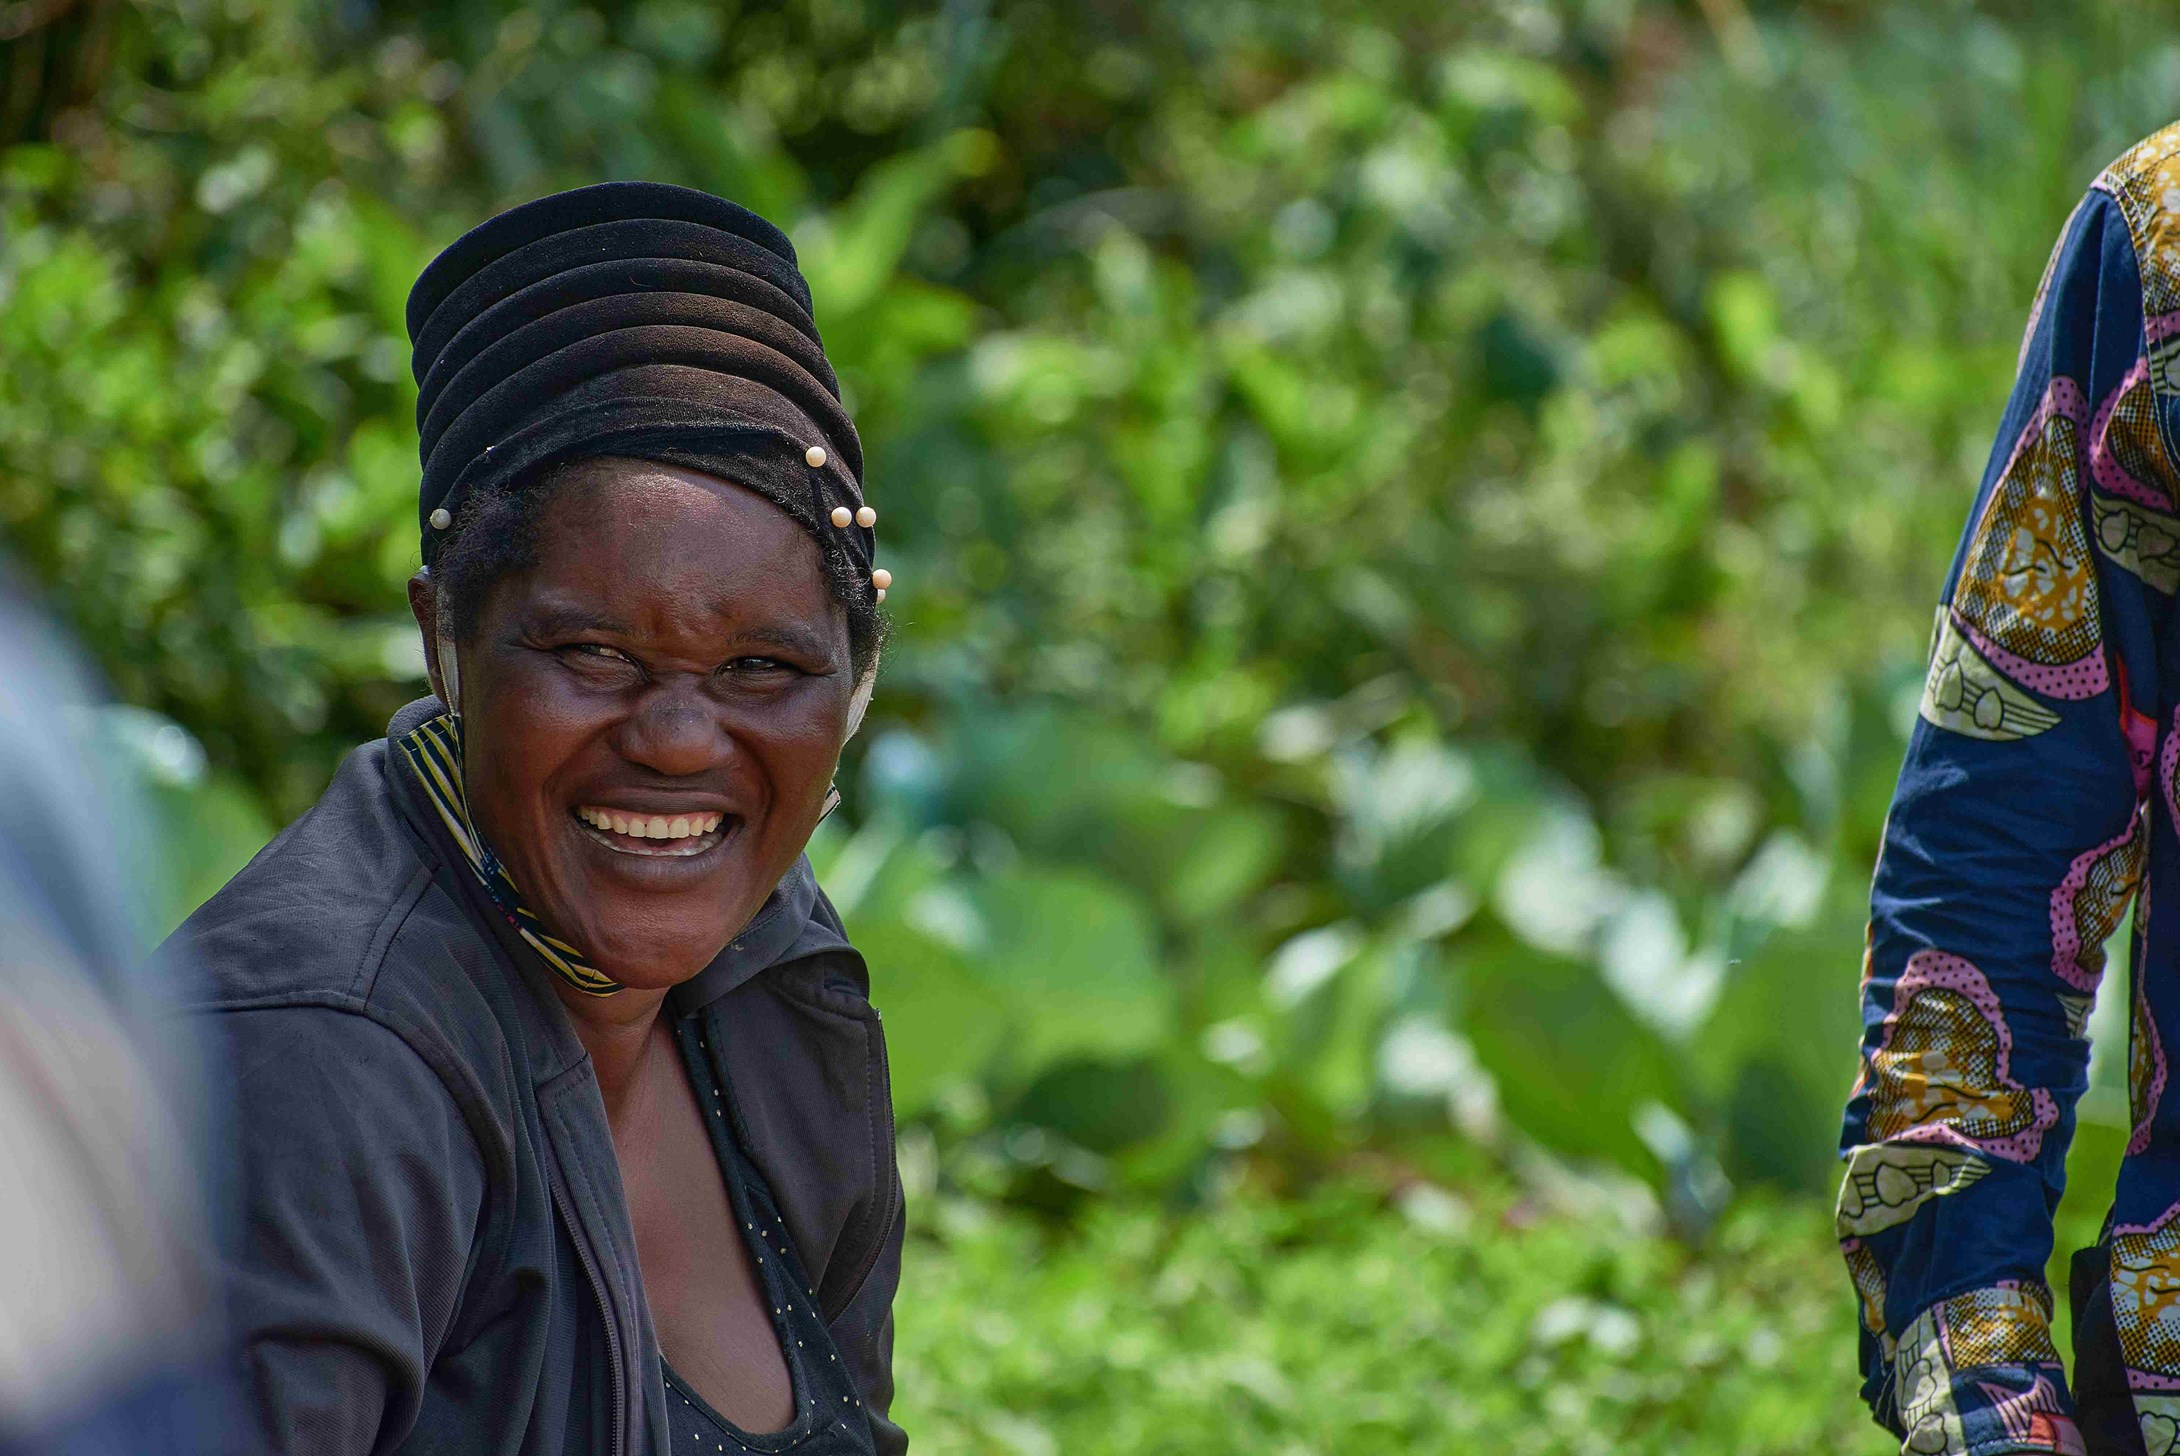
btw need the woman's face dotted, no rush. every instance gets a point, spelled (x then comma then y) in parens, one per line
(653, 714)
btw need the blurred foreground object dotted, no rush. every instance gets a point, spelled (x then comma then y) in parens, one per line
(103, 1307)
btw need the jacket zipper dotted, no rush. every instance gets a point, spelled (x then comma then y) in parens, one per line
(605, 1310)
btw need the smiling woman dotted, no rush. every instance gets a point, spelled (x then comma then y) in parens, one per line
(564, 1111)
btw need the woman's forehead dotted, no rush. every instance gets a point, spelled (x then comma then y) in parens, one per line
(670, 514)
(631, 546)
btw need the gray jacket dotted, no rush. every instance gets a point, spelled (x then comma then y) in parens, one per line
(435, 1253)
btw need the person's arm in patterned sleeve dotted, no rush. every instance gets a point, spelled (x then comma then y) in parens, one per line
(2014, 844)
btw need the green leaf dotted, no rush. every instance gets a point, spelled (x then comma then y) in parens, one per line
(1073, 957)
(943, 1022)
(1572, 1065)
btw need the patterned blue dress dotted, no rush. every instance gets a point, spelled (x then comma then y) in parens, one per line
(2036, 804)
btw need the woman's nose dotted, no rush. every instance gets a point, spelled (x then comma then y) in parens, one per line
(674, 732)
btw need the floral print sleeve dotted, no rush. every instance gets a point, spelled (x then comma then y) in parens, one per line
(2035, 799)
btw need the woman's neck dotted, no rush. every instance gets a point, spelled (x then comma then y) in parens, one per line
(617, 1031)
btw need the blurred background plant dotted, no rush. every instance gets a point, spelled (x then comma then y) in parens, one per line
(1416, 527)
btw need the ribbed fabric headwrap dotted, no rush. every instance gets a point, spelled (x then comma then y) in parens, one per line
(636, 319)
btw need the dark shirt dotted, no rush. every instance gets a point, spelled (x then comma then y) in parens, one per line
(829, 1418)
(435, 1252)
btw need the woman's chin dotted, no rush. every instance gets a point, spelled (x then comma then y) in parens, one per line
(650, 922)
(660, 965)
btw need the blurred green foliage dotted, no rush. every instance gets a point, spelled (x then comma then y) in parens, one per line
(1323, 1326)
(1415, 524)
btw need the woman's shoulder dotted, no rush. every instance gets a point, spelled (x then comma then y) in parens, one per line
(305, 913)
(345, 910)
(338, 933)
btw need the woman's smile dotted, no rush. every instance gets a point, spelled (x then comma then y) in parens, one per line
(654, 835)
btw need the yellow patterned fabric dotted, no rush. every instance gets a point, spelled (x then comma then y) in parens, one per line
(2028, 587)
(435, 750)
(1965, 694)
(1887, 1182)
(2001, 1326)
(2131, 439)
(1942, 1072)
(2145, 181)
(2146, 1292)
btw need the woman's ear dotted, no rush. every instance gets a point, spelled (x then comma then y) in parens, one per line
(439, 661)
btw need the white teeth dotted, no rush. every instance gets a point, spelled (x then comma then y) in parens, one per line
(651, 826)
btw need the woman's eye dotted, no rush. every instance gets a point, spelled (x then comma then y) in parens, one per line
(596, 654)
(747, 666)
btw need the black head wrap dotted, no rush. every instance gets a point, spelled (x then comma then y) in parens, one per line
(636, 319)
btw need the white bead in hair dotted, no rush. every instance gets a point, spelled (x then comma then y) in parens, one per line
(866, 518)
(842, 517)
(881, 578)
(815, 455)
(881, 593)
(441, 519)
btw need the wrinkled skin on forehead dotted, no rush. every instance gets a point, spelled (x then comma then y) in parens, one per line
(674, 652)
